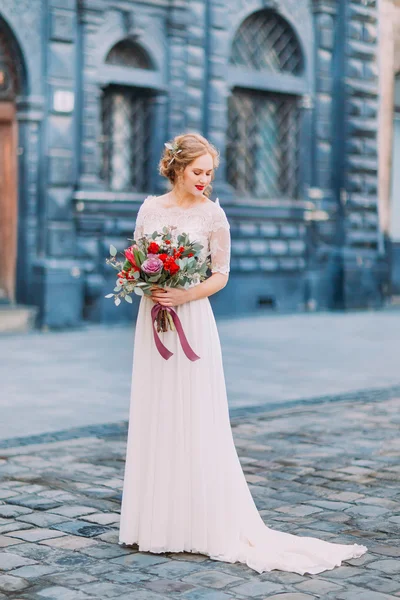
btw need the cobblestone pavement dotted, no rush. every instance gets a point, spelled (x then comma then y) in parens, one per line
(330, 470)
(268, 359)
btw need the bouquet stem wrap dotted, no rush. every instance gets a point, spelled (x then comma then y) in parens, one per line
(163, 350)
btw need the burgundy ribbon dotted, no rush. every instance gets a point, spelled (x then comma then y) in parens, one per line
(163, 350)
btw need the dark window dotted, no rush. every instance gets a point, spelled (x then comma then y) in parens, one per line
(266, 41)
(262, 144)
(128, 54)
(263, 127)
(126, 138)
(11, 70)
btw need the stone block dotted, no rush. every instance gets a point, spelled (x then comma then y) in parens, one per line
(61, 60)
(62, 25)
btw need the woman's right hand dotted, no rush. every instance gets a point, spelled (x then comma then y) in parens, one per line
(158, 288)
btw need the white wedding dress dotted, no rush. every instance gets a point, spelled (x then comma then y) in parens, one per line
(184, 488)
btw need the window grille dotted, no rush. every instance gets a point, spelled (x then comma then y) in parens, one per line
(262, 155)
(262, 144)
(126, 138)
(266, 41)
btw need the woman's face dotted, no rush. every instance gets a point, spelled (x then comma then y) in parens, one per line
(197, 175)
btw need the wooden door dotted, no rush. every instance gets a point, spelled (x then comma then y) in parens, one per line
(8, 201)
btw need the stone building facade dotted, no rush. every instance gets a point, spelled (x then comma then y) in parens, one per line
(288, 91)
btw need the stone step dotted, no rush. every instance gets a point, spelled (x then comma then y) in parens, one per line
(16, 318)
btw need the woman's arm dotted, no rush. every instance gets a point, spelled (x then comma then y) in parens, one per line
(210, 286)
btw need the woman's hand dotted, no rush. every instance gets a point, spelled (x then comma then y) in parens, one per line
(169, 296)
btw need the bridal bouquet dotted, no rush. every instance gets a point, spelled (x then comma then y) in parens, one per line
(158, 260)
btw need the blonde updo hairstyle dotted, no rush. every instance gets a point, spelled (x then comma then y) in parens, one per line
(182, 151)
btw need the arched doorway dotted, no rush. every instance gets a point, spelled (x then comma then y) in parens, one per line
(11, 84)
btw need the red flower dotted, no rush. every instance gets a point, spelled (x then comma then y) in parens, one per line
(167, 241)
(153, 248)
(181, 249)
(130, 256)
(130, 273)
(173, 268)
(190, 254)
(163, 257)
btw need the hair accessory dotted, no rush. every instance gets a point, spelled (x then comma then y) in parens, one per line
(174, 149)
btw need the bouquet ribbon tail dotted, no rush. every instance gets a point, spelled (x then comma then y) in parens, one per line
(163, 350)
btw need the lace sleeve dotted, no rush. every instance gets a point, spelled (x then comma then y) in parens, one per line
(220, 243)
(138, 233)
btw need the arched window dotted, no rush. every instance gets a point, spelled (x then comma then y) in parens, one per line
(263, 122)
(126, 118)
(128, 54)
(11, 69)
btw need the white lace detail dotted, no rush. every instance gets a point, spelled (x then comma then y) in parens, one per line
(206, 223)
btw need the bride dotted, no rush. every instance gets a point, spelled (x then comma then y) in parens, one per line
(184, 488)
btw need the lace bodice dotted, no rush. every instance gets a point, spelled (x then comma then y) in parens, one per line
(205, 223)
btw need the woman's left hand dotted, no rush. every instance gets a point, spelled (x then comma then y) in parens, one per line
(169, 296)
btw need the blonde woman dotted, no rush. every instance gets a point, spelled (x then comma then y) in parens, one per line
(184, 488)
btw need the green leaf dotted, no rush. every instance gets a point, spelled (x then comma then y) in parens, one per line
(117, 301)
(138, 291)
(137, 254)
(118, 288)
(136, 274)
(113, 250)
(109, 296)
(128, 299)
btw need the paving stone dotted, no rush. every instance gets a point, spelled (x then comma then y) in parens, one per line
(7, 541)
(213, 578)
(9, 583)
(36, 535)
(173, 569)
(10, 561)
(103, 550)
(83, 528)
(103, 518)
(140, 560)
(13, 526)
(299, 511)
(34, 551)
(123, 575)
(167, 586)
(33, 571)
(367, 511)
(41, 519)
(105, 590)
(71, 579)
(318, 586)
(73, 510)
(253, 589)
(35, 502)
(391, 567)
(204, 594)
(387, 550)
(69, 542)
(382, 584)
(62, 593)
(362, 594)
(9, 511)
